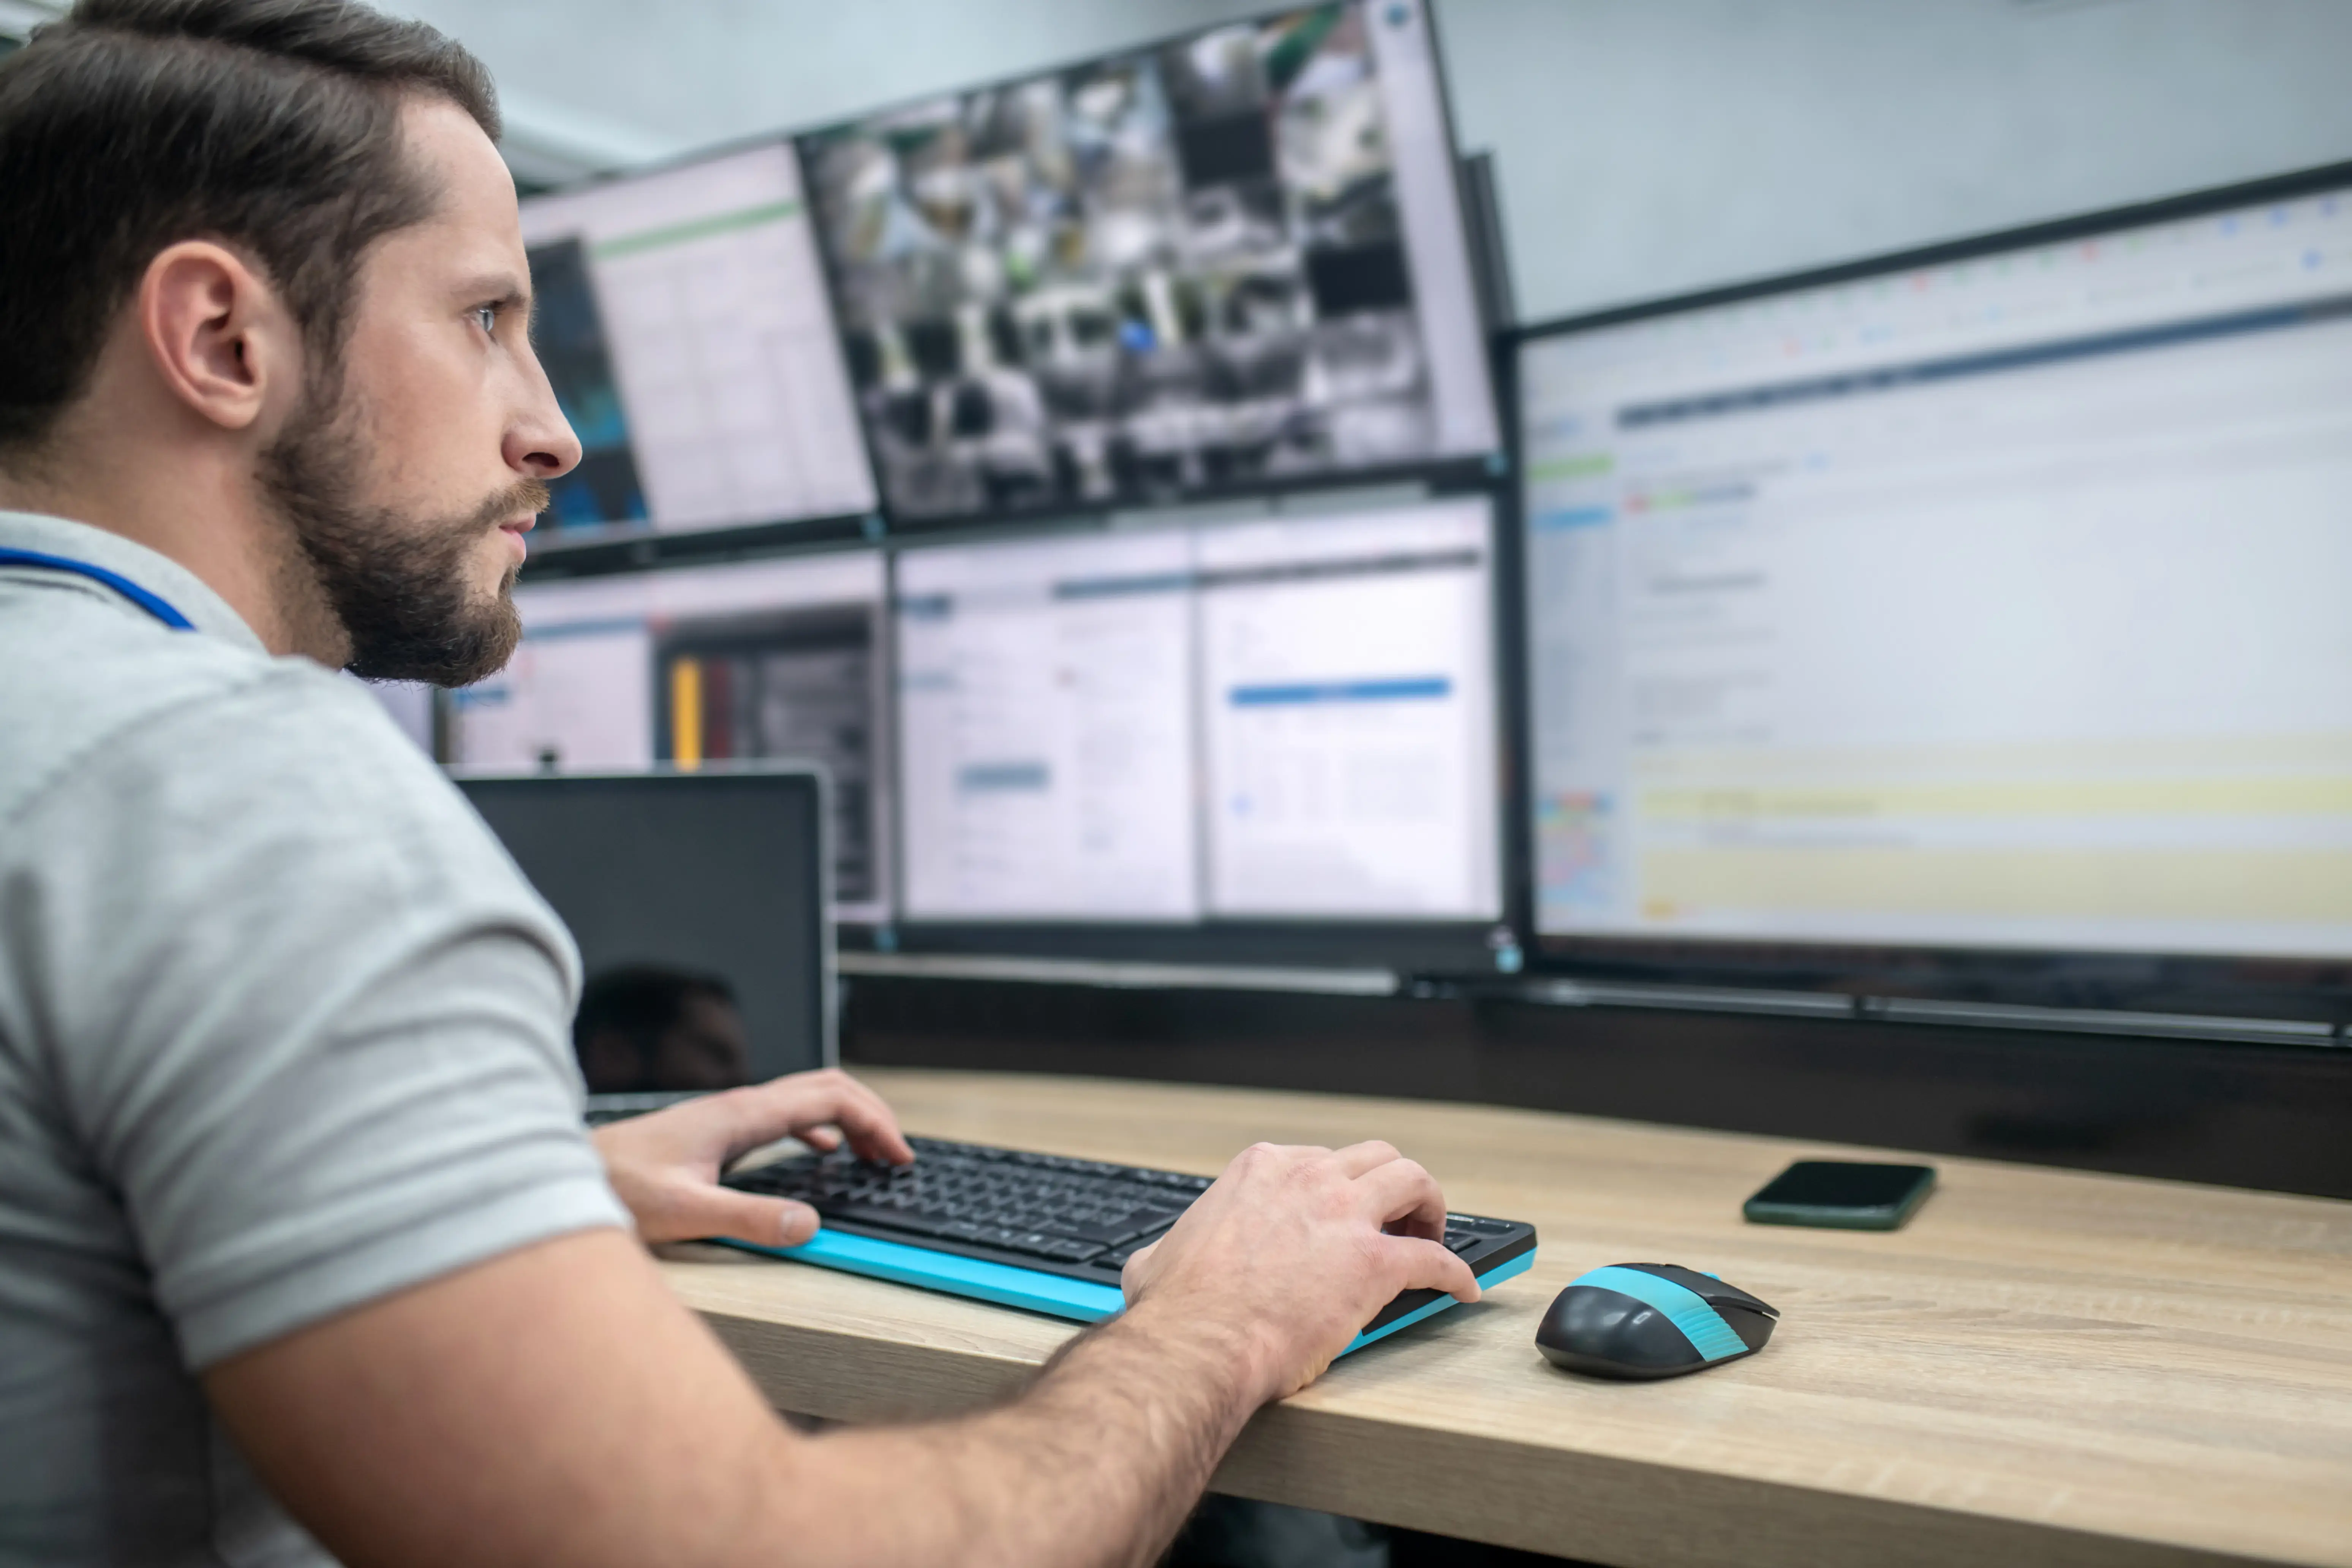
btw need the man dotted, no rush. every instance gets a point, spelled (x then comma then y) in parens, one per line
(295, 1215)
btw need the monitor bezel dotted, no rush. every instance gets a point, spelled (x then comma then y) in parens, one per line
(1456, 469)
(2245, 985)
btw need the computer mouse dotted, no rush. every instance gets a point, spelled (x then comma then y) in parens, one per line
(1651, 1319)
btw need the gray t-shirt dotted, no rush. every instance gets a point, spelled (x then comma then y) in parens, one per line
(282, 1031)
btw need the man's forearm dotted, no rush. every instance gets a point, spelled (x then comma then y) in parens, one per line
(1097, 1464)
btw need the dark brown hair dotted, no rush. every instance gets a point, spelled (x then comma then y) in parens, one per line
(270, 125)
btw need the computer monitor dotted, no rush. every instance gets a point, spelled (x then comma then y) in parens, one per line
(1287, 718)
(1967, 615)
(699, 665)
(713, 881)
(682, 318)
(1223, 261)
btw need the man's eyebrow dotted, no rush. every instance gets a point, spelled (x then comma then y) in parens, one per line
(502, 289)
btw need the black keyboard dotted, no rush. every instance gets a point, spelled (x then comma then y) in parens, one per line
(1081, 1219)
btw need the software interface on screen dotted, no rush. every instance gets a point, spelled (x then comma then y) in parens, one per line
(1248, 720)
(776, 659)
(682, 318)
(1236, 256)
(1999, 603)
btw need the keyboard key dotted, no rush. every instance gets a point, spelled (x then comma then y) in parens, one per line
(888, 1218)
(1123, 1228)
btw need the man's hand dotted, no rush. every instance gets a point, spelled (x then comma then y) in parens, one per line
(1294, 1250)
(666, 1165)
(557, 1405)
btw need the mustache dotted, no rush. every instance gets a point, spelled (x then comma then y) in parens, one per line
(526, 495)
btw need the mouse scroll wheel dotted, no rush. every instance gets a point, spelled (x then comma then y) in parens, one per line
(1719, 1294)
(1707, 1288)
(1733, 1296)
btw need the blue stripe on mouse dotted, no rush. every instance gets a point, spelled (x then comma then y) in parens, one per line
(1651, 1319)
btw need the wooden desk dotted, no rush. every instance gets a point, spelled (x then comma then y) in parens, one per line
(2043, 1367)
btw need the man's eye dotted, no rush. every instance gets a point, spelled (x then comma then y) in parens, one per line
(487, 315)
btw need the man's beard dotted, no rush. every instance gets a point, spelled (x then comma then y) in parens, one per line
(398, 585)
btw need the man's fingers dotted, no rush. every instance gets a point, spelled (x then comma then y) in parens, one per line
(765, 1113)
(1402, 1193)
(1428, 1267)
(872, 1126)
(1357, 1158)
(697, 1212)
(793, 1106)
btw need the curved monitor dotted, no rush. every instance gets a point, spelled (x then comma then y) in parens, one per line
(1230, 261)
(1970, 621)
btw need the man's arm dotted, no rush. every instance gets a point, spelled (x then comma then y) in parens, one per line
(557, 1404)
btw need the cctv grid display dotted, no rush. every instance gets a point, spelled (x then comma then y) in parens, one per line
(1282, 718)
(1230, 260)
(1987, 602)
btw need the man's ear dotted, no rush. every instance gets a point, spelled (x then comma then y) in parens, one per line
(217, 334)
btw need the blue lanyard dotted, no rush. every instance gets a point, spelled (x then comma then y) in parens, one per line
(154, 604)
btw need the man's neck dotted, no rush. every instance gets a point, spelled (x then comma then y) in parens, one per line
(203, 514)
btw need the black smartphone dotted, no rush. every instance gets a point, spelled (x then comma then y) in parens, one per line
(1842, 1195)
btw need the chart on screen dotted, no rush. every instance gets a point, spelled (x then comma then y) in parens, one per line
(1046, 730)
(684, 322)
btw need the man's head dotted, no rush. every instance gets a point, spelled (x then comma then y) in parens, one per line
(267, 248)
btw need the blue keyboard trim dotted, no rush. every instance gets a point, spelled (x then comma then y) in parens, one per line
(1487, 1281)
(976, 1277)
(1032, 1289)
(1685, 1309)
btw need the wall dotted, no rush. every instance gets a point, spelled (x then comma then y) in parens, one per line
(1644, 146)
(1649, 147)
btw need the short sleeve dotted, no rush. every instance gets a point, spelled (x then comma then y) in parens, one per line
(299, 1009)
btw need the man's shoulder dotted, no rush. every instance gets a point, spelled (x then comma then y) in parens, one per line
(76, 670)
(86, 690)
(170, 772)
